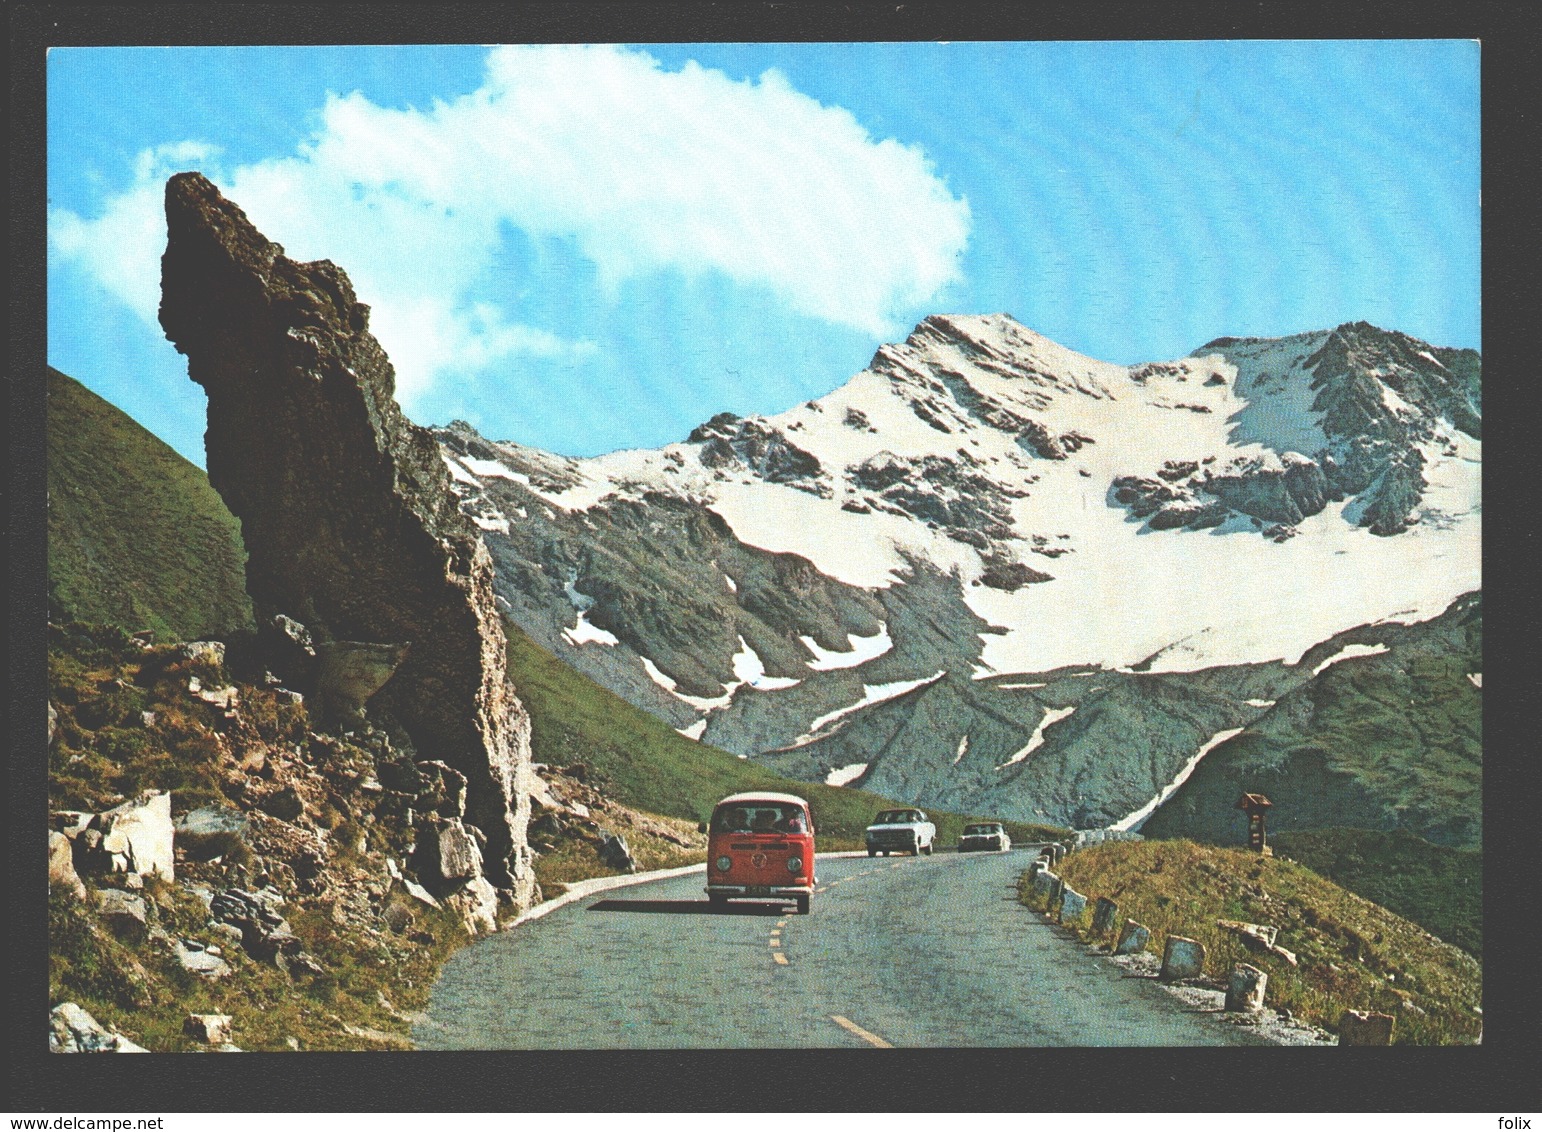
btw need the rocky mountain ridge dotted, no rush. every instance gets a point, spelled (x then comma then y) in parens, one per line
(982, 507)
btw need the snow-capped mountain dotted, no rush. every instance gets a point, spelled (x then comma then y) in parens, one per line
(981, 502)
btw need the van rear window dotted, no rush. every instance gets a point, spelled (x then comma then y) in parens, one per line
(759, 817)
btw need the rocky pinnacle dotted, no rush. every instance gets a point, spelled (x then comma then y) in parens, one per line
(350, 525)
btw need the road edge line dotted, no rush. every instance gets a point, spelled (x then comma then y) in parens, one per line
(866, 1035)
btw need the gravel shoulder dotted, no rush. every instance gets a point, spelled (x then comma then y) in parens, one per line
(1208, 996)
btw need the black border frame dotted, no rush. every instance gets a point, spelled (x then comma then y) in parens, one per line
(1498, 1076)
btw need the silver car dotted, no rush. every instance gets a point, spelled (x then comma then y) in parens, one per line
(985, 835)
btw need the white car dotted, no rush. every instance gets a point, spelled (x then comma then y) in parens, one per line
(986, 835)
(900, 831)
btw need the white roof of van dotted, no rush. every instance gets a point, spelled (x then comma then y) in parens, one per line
(763, 796)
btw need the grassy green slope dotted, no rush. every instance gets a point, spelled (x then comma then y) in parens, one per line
(642, 762)
(1352, 953)
(136, 536)
(1436, 887)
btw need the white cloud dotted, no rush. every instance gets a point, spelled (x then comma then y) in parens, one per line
(122, 248)
(646, 170)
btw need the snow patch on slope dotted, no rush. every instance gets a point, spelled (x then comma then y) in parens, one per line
(1348, 652)
(492, 469)
(665, 681)
(458, 473)
(845, 775)
(492, 521)
(871, 694)
(861, 650)
(1134, 821)
(751, 670)
(1036, 740)
(585, 633)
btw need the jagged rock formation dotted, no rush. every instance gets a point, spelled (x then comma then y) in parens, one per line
(351, 529)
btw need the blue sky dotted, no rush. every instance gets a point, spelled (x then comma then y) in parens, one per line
(590, 248)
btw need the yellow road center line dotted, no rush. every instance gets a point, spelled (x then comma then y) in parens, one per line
(779, 957)
(780, 924)
(865, 1035)
(776, 940)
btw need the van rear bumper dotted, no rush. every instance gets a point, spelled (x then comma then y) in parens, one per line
(760, 890)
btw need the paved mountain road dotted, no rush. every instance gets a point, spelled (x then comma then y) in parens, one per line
(901, 951)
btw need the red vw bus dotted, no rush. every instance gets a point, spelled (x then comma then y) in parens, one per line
(761, 844)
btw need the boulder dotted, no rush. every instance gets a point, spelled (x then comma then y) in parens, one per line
(419, 893)
(53, 723)
(139, 834)
(1182, 958)
(210, 1029)
(264, 933)
(207, 821)
(202, 961)
(1133, 938)
(284, 803)
(446, 853)
(226, 697)
(346, 507)
(124, 914)
(230, 933)
(476, 903)
(615, 852)
(204, 652)
(71, 823)
(1260, 936)
(71, 1029)
(61, 867)
(1245, 989)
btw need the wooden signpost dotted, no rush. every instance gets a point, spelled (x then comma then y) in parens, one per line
(1255, 806)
